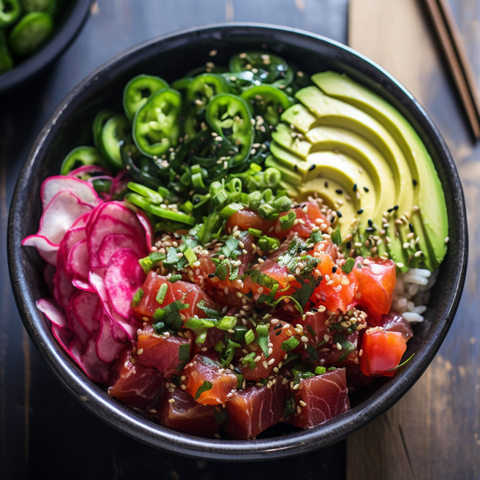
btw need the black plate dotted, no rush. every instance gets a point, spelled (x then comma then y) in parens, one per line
(70, 21)
(170, 57)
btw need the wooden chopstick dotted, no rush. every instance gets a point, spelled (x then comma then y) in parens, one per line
(457, 59)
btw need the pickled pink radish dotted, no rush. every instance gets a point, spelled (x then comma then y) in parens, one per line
(47, 250)
(52, 186)
(60, 214)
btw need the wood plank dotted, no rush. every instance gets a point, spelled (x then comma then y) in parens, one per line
(433, 432)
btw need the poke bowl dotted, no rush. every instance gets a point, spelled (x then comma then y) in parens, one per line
(170, 57)
(42, 31)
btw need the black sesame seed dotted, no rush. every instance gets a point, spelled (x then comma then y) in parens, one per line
(332, 219)
(355, 187)
(414, 182)
(276, 327)
(366, 189)
(370, 223)
(326, 184)
(263, 257)
(296, 168)
(312, 167)
(339, 214)
(410, 226)
(314, 310)
(360, 211)
(349, 245)
(334, 269)
(211, 275)
(395, 207)
(339, 191)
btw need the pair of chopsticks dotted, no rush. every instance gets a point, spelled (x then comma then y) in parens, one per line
(457, 59)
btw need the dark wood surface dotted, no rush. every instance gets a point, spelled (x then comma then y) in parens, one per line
(433, 433)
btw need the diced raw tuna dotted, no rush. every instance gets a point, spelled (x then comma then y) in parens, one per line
(190, 294)
(186, 415)
(393, 322)
(277, 334)
(217, 383)
(133, 384)
(325, 396)
(356, 379)
(254, 409)
(162, 352)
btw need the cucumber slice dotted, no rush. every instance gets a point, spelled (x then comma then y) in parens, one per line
(30, 33)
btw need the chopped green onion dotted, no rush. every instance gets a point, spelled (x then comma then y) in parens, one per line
(267, 195)
(239, 380)
(194, 323)
(240, 332)
(201, 337)
(267, 212)
(175, 278)
(272, 177)
(287, 221)
(162, 291)
(267, 244)
(282, 204)
(152, 195)
(229, 210)
(190, 256)
(348, 266)
(290, 344)
(137, 297)
(220, 199)
(254, 200)
(187, 207)
(227, 323)
(255, 232)
(143, 203)
(249, 337)
(320, 370)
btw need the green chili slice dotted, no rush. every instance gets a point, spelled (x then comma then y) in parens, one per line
(114, 132)
(30, 33)
(10, 10)
(156, 126)
(230, 117)
(267, 101)
(138, 91)
(79, 157)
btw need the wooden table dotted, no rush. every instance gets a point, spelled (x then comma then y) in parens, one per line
(430, 434)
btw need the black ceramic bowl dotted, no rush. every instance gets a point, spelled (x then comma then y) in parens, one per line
(70, 21)
(170, 57)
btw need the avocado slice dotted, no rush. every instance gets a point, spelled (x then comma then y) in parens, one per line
(331, 112)
(431, 219)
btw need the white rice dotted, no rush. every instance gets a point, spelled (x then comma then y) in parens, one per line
(412, 293)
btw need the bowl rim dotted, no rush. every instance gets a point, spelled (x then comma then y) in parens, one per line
(131, 423)
(56, 45)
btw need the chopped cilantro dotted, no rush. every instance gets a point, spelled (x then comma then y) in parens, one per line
(184, 352)
(203, 388)
(229, 353)
(250, 360)
(348, 267)
(312, 353)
